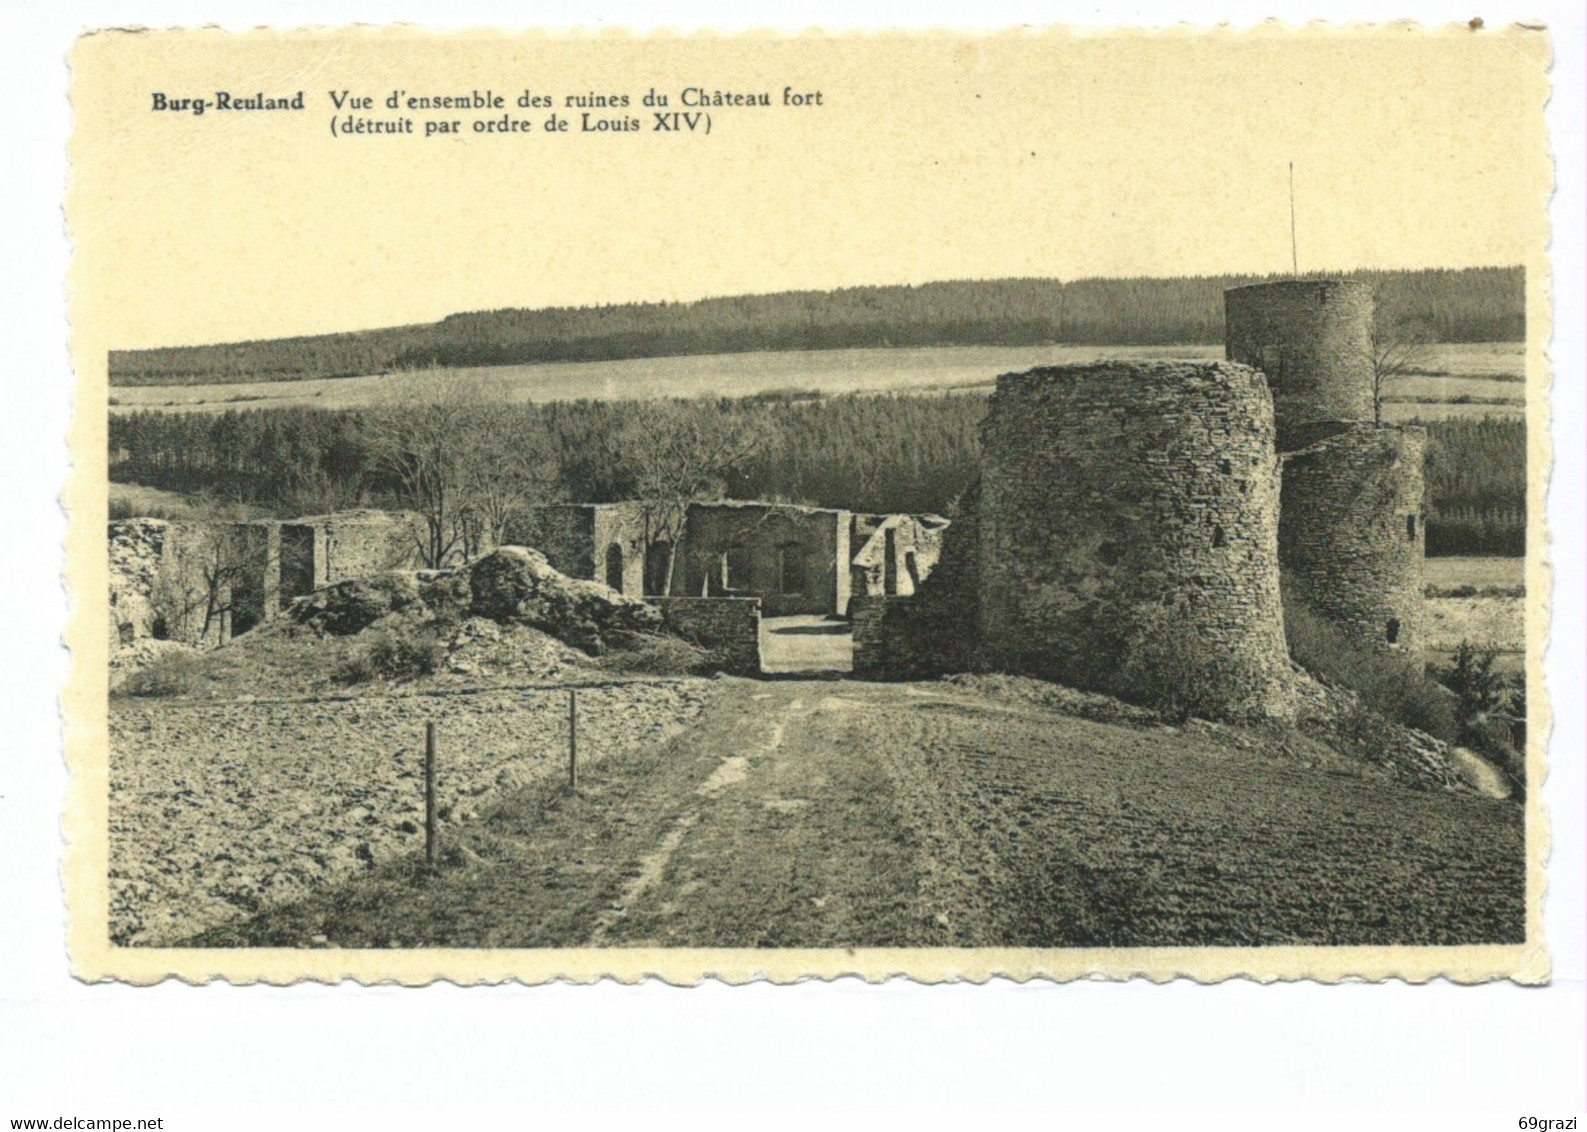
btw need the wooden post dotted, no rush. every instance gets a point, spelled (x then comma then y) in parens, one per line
(573, 738)
(429, 794)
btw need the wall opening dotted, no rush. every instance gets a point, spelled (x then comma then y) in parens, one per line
(1217, 537)
(890, 560)
(1225, 467)
(1392, 631)
(791, 568)
(656, 556)
(912, 568)
(614, 567)
(735, 568)
(1410, 527)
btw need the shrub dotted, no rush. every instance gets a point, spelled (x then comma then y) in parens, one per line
(1392, 686)
(390, 656)
(1169, 669)
(170, 674)
(658, 654)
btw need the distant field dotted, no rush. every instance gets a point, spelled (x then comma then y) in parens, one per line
(932, 369)
(1449, 573)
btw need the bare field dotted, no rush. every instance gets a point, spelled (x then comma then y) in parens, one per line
(220, 809)
(1481, 572)
(1486, 622)
(829, 814)
(825, 371)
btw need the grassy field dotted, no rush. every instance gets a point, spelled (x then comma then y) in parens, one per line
(841, 814)
(1471, 370)
(1445, 574)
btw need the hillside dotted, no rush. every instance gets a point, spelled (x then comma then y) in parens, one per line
(1470, 305)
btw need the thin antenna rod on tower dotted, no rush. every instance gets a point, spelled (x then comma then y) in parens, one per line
(1294, 254)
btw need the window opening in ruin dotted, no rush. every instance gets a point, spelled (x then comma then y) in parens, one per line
(890, 560)
(912, 568)
(791, 568)
(1225, 467)
(1394, 630)
(656, 558)
(735, 568)
(1217, 536)
(614, 567)
(1410, 527)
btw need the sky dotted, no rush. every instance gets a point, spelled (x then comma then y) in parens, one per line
(929, 157)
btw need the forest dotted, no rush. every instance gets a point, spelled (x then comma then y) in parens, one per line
(1468, 305)
(870, 453)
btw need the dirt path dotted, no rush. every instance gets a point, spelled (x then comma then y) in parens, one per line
(844, 814)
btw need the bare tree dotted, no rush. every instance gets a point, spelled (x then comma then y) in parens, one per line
(1400, 345)
(681, 453)
(464, 465)
(205, 589)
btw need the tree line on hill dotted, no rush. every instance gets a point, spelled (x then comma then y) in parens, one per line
(876, 454)
(1466, 305)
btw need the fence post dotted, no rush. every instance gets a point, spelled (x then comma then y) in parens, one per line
(429, 794)
(573, 738)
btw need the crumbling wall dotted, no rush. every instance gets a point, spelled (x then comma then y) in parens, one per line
(564, 533)
(170, 579)
(611, 543)
(1128, 534)
(729, 627)
(622, 536)
(896, 553)
(934, 631)
(795, 559)
(1312, 338)
(1353, 535)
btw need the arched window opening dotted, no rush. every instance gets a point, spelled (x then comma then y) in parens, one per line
(1217, 537)
(1393, 630)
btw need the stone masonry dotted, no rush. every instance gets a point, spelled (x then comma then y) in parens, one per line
(1129, 533)
(729, 627)
(1352, 535)
(1312, 338)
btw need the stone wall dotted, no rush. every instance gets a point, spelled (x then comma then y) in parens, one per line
(1352, 538)
(795, 559)
(201, 582)
(1128, 534)
(1313, 340)
(896, 553)
(622, 545)
(729, 627)
(353, 544)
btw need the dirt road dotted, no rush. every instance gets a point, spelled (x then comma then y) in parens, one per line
(825, 813)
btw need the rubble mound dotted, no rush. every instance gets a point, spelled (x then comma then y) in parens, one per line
(349, 607)
(512, 586)
(1337, 716)
(517, 585)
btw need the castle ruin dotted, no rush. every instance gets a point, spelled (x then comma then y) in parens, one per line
(1128, 508)
(1132, 518)
(1351, 526)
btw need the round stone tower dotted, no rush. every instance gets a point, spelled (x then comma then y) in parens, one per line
(1352, 537)
(1129, 533)
(1313, 340)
